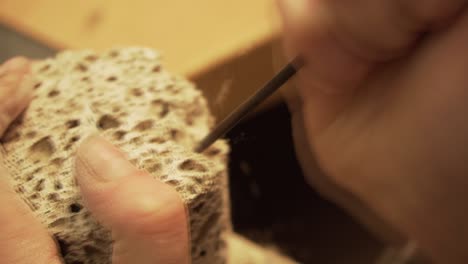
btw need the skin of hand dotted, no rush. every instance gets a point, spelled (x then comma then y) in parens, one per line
(147, 217)
(382, 107)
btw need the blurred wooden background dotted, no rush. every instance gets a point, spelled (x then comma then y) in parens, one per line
(226, 47)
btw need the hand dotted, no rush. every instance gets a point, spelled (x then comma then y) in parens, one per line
(147, 217)
(383, 107)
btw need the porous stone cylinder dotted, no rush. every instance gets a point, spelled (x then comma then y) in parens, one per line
(155, 117)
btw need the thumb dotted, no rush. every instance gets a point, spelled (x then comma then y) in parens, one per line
(147, 217)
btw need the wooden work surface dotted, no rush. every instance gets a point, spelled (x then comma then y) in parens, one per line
(194, 36)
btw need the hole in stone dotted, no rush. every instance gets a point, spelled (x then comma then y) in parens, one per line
(198, 208)
(119, 135)
(144, 125)
(208, 225)
(10, 136)
(137, 92)
(191, 165)
(57, 162)
(175, 91)
(58, 222)
(34, 206)
(44, 68)
(175, 134)
(63, 246)
(75, 207)
(193, 222)
(73, 123)
(20, 189)
(96, 104)
(34, 196)
(165, 107)
(196, 110)
(58, 185)
(37, 85)
(154, 168)
(68, 146)
(39, 185)
(191, 189)
(202, 253)
(136, 141)
(157, 140)
(164, 111)
(101, 242)
(112, 79)
(31, 134)
(173, 182)
(54, 197)
(81, 67)
(107, 122)
(198, 180)
(114, 54)
(221, 244)
(53, 93)
(91, 58)
(44, 148)
(156, 68)
(189, 120)
(212, 152)
(90, 250)
(74, 139)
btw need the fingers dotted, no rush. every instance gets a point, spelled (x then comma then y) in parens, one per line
(365, 29)
(15, 90)
(336, 191)
(434, 85)
(147, 217)
(15, 64)
(22, 238)
(342, 42)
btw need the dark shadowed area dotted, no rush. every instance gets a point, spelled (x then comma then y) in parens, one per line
(272, 204)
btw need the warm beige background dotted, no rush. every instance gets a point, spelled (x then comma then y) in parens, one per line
(194, 35)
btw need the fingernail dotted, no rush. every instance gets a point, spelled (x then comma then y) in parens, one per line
(16, 64)
(98, 160)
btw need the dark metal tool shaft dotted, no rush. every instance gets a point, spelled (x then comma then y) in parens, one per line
(241, 111)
